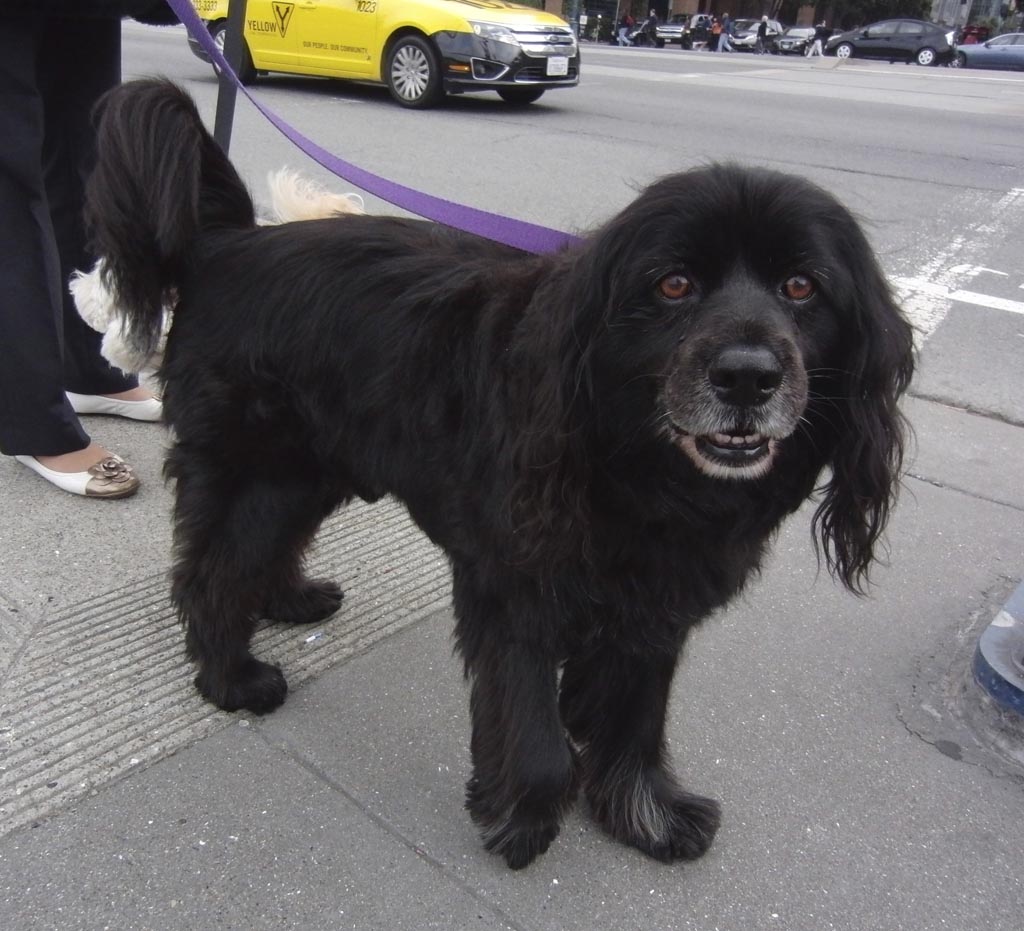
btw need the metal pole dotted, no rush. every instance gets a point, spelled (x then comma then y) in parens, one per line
(226, 89)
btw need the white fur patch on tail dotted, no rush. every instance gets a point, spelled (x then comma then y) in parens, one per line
(294, 197)
(91, 298)
(97, 307)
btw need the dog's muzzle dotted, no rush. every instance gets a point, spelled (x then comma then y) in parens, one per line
(729, 417)
(727, 455)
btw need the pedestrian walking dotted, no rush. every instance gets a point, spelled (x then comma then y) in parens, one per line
(725, 38)
(650, 29)
(821, 36)
(625, 28)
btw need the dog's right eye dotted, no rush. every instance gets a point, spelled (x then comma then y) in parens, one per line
(799, 288)
(675, 287)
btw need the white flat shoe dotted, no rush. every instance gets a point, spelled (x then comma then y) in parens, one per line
(151, 409)
(109, 478)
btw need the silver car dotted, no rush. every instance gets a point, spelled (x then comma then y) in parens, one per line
(1003, 53)
(744, 38)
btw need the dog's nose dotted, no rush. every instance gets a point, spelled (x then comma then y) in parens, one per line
(745, 375)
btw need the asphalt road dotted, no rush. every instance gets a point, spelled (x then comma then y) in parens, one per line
(930, 158)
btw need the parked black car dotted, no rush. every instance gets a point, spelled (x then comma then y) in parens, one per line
(896, 40)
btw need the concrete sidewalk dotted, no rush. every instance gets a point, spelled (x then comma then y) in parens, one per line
(857, 795)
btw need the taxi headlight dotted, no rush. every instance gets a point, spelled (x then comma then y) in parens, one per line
(495, 31)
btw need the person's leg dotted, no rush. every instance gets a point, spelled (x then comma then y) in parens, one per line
(91, 53)
(35, 417)
(37, 422)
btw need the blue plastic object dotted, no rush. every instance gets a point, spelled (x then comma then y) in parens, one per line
(999, 659)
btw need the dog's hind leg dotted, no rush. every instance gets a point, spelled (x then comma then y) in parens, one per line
(614, 704)
(292, 596)
(304, 601)
(238, 549)
(523, 769)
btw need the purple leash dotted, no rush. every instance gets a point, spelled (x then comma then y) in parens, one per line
(522, 235)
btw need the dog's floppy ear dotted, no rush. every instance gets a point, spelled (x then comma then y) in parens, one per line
(871, 432)
(548, 400)
(558, 364)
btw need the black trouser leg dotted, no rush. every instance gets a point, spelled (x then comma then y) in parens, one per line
(50, 76)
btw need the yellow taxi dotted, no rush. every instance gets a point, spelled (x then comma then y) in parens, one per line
(420, 49)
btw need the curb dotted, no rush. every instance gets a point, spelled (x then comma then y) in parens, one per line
(999, 659)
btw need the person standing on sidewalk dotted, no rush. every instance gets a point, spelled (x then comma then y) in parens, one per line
(715, 36)
(762, 37)
(57, 58)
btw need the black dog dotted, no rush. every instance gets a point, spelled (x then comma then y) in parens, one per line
(603, 441)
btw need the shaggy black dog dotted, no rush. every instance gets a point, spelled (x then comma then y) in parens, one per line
(603, 441)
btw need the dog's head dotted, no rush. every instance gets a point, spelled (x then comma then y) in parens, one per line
(739, 317)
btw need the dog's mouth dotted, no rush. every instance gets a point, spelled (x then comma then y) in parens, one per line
(734, 449)
(738, 455)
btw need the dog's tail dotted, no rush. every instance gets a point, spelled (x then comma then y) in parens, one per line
(294, 197)
(160, 180)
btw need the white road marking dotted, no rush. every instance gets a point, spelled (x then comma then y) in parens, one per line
(931, 289)
(974, 270)
(927, 294)
(657, 77)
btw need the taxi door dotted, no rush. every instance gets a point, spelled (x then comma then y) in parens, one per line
(337, 37)
(268, 31)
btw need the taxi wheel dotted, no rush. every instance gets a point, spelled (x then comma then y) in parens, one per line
(246, 69)
(414, 73)
(520, 96)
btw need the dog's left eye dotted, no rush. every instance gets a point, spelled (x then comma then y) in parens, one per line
(798, 288)
(675, 287)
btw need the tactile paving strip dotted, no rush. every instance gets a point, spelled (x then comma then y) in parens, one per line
(106, 687)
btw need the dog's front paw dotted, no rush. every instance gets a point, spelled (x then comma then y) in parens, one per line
(313, 601)
(253, 685)
(520, 844)
(520, 832)
(691, 823)
(517, 836)
(657, 817)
